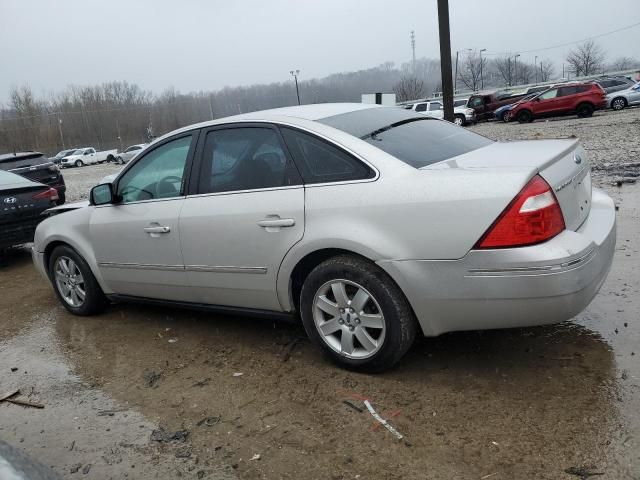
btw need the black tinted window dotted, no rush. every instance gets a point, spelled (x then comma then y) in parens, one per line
(244, 159)
(564, 91)
(320, 162)
(421, 107)
(411, 137)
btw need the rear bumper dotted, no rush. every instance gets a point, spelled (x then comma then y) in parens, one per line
(537, 285)
(18, 232)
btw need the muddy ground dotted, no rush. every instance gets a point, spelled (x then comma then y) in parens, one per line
(546, 403)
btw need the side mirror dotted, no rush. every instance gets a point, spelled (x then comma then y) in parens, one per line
(102, 195)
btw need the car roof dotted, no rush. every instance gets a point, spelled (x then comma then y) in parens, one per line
(311, 112)
(20, 155)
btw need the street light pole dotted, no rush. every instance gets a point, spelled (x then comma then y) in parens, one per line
(515, 67)
(295, 74)
(481, 77)
(445, 59)
(535, 68)
(60, 130)
(455, 78)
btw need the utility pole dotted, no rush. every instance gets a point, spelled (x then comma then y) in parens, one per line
(445, 59)
(413, 51)
(515, 67)
(295, 74)
(455, 77)
(210, 107)
(481, 77)
(60, 130)
(535, 68)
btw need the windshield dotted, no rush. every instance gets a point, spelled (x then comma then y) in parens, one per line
(415, 139)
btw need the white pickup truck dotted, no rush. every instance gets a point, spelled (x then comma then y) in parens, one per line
(88, 156)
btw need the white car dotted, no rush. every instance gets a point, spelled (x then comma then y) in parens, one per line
(129, 153)
(87, 156)
(371, 223)
(624, 98)
(461, 115)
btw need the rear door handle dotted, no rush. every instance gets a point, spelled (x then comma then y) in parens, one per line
(158, 229)
(277, 222)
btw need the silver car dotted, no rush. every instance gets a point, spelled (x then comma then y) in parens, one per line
(370, 223)
(624, 98)
(129, 153)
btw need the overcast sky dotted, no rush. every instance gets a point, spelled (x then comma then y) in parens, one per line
(207, 44)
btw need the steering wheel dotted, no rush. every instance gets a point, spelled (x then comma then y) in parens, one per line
(168, 181)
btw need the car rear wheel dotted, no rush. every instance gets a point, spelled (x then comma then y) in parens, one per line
(584, 110)
(79, 163)
(459, 120)
(74, 283)
(618, 103)
(119, 161)
(525, 116)
(356, 314)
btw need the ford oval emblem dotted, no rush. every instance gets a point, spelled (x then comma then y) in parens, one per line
(577, 158)
(10, 200)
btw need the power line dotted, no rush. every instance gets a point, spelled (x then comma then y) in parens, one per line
(560, 45)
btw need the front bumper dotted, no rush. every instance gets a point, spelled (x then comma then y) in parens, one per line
(38, 262)
(503, 288)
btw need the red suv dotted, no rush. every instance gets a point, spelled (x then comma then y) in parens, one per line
(567, 99)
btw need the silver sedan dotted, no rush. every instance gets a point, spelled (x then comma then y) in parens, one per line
(371, 224)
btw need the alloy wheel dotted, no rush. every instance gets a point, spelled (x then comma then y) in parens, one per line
(618, 104)
(458, 121)
(69, 281)
(349, 319)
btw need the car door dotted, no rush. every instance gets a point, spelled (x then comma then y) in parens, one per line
(436, 110)
(547, 103)
(245, 213)
(89, 157)
(137, 240)
(634, 96)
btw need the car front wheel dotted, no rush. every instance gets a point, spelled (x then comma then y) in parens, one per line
(79, 163)
(618, 103)
(356, 314)
(74, 283)
(459, 120)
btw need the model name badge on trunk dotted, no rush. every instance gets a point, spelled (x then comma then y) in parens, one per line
(577, 177)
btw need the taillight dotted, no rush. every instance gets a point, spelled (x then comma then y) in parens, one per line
(51, 194)
(533, 216)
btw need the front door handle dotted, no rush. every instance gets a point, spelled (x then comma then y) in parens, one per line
(277, 222)
(157, 229)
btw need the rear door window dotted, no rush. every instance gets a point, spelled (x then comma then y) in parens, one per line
(421, 107)
(565, 91)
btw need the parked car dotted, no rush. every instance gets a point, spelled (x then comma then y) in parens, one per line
(129, 153)
(581, 99)
(624, 98)
(614, 84)
(88, 156)
(22, 202)
(435, 109)
(460, 102)
(372, 223)
(35, 166)
(60, 155)
(485, 104)
(503, 113)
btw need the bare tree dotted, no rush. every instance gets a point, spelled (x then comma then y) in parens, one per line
(624, 63)
(504, 67)
(471, 70)
(586, 59)
(546, 70)
(409, 88)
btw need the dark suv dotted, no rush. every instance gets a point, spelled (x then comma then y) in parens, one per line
(37, 167)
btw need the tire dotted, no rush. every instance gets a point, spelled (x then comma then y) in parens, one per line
(619, 103)
(119, 161)
(459, 120)
(584, 110)
(392, 323)
(67, 277)
(506, 117)
(110, 158)
(524, 116)
(79, 163)
(62, 198)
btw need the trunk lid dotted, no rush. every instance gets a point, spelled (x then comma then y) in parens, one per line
(562, 163)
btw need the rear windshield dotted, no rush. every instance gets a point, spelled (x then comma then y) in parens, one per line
(409, 136)
(9, 162)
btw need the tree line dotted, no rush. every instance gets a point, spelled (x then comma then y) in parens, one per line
(118, 114)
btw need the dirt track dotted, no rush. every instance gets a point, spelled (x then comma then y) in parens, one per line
(513, 404)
